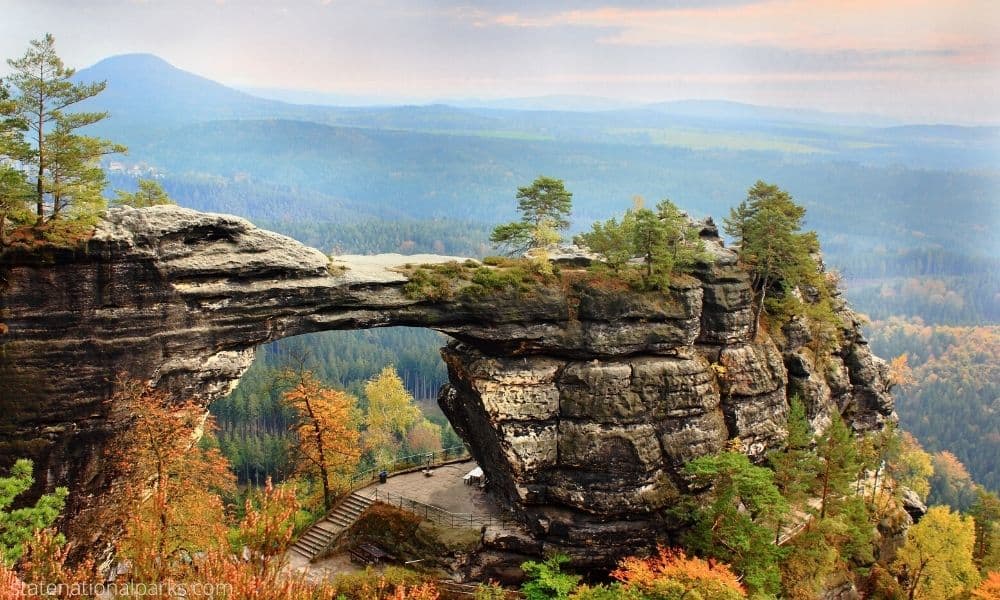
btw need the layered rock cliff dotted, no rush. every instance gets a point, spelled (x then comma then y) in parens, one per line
(580, 402)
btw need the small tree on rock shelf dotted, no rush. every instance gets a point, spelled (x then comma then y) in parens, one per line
(15, 191)
(150, 193)
(767, 227)
(664, 239)
(545, 206)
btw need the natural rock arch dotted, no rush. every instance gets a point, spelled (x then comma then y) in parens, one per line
(580, 403)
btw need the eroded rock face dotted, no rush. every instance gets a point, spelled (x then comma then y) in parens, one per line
(581, 404)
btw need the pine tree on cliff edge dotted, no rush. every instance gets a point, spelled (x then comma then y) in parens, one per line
(545, 206)
(64, 165)
(767, 228)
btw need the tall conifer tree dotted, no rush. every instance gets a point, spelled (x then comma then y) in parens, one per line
(64, 165)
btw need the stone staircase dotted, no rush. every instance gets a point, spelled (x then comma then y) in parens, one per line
(318, 537)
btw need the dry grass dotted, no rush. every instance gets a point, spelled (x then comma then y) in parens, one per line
(54, 234)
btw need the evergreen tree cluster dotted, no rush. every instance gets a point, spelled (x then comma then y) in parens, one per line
(767, 230)
(17, 526)
(663, 241)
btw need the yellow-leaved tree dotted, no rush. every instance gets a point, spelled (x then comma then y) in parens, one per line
(936, 560)
(390, 415)
(912, 467)
(327, 438)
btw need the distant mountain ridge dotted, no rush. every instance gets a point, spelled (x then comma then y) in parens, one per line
(729, 110)
(144, 84)
(175, 94)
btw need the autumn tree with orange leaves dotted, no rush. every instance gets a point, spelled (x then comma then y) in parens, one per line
(672, 574)
(169, 500)
(327, 438)
(900, 372)
(11, 586)
(989, 589)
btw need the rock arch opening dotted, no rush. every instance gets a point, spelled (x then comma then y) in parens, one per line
(254, 424)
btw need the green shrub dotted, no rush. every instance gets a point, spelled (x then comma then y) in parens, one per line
(18, 526)
(502, 261)
(428, 284)
(546, 579)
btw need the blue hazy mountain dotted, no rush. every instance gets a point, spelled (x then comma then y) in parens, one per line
(553, 102)
(436, 161)
(144, 87)
(146, 95)
(725, 110)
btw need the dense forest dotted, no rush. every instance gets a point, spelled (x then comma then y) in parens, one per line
(255, 424)
(951, 403)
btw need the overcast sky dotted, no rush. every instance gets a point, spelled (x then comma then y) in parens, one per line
(919, 60)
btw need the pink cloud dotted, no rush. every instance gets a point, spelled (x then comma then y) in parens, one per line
(816, 25)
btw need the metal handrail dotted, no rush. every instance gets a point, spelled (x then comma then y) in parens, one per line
(440, 516)
(411, 461)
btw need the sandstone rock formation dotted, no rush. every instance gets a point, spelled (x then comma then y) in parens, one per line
(580, 403)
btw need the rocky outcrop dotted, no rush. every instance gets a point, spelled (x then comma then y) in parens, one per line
(581, 403)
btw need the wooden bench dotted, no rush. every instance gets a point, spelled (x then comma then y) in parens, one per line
(370, 554)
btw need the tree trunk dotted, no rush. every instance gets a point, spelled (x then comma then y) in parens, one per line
(321, 462)
(759, 309)
(878, 472)
(916, 581)
(3, 228)
(39, 188)
(826, 490)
